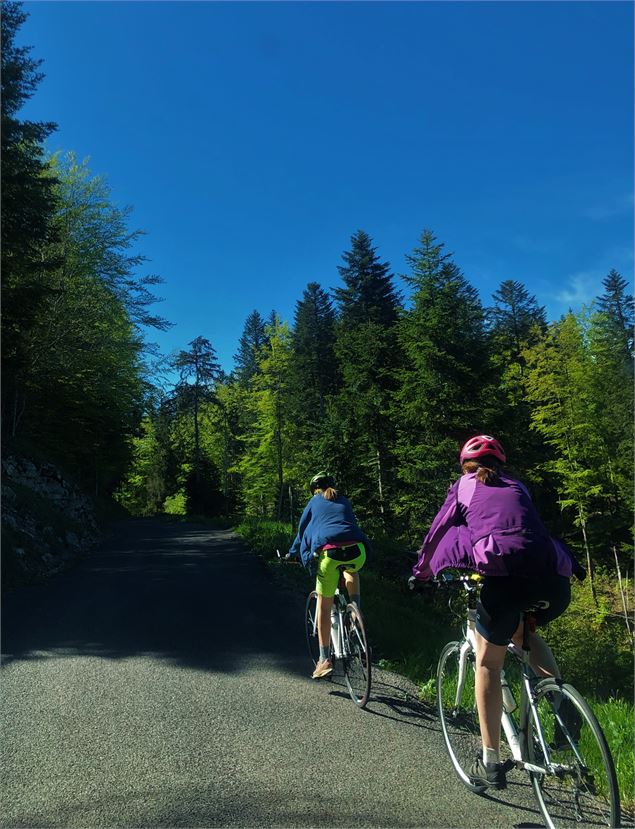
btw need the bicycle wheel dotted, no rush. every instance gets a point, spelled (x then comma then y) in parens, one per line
(310, 618)
(582, 789)
(357, 670)
(459, 717)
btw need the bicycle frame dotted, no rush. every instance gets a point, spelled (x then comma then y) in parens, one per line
(528, 707)
(338, 640)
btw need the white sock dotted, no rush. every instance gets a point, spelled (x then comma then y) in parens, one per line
(490, 756)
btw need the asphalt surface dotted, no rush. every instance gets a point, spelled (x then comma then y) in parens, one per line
(164, 681)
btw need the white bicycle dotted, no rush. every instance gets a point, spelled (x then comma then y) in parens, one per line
(552, 734)
(349, 644)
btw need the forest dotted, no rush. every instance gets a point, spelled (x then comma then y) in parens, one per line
(375, 383)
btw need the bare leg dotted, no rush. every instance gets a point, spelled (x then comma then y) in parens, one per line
(541, 658)
(352, 584)
(489, 696)
(324, 619)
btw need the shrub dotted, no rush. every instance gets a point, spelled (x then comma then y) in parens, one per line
(175, 504)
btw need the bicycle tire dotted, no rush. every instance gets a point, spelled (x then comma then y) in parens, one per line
(357, 664)
(459, 723)
(584, 791)
(310, 622)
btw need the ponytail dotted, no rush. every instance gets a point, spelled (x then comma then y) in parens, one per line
(330, 493)
(487, 470)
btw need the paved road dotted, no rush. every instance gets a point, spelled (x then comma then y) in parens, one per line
(164, 682)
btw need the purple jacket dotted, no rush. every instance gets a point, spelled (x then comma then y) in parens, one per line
(494, 530)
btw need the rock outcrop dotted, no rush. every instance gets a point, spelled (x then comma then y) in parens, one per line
(46, 521)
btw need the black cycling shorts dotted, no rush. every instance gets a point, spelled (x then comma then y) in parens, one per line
(504, 598)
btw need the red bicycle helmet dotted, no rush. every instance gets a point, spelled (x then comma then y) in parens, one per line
(481, 445)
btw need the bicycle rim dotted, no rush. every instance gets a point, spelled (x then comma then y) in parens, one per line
(357, 664)
(583, 791)
(459, 722)
(310, 620)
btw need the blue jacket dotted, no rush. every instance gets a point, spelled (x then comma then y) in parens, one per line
(325, 522)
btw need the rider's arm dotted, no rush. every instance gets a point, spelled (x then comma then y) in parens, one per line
(448, 516)
(295, 548)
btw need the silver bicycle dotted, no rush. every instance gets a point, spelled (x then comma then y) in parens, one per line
(552, 733)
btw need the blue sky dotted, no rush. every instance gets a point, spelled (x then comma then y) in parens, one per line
(253, 139)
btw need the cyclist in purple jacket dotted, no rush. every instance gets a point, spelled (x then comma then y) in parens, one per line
(489, 524)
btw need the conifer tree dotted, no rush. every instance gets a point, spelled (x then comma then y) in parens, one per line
(515, 319)
(514, 322)
(439, 401)
(251, 341)
(313, 349)
(618, 306)
(359, 435)
(368, 294)
(313, 378)
(199, 370)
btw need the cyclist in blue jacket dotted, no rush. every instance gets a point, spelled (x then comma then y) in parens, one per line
(329, 535)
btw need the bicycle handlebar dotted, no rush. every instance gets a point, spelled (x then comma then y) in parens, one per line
(446, 579)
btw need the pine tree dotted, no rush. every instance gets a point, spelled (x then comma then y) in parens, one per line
(359, 435)
(198, 369)
(611, 344)
(515, 322)
(439, 401)
(251, 341)
(619, 308)
(312, 338)
(368, 294)
(515, 319)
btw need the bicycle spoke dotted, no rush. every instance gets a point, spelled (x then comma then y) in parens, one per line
(581, 789)
(357, 663)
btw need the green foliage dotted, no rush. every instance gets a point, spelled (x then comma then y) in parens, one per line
(176, 504)
(252, 340)
(264, 467)
(590, 641)
(358, 435)
(266, 536)
(439, 401)
(28, 206)
(83, 395)
(143, 490)
(581, 406)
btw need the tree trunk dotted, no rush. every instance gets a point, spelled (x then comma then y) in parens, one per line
(588, 556)
(379, 483)
(622, 594)
(197, 459)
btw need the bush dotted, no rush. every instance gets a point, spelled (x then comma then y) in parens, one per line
(175, 504)
(591, 643)
(265, 537)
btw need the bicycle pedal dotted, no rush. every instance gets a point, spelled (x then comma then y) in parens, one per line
(508, 765)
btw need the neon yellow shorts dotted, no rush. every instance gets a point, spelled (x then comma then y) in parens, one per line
(328, 574)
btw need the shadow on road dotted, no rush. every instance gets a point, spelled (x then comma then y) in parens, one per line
(179, 592)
